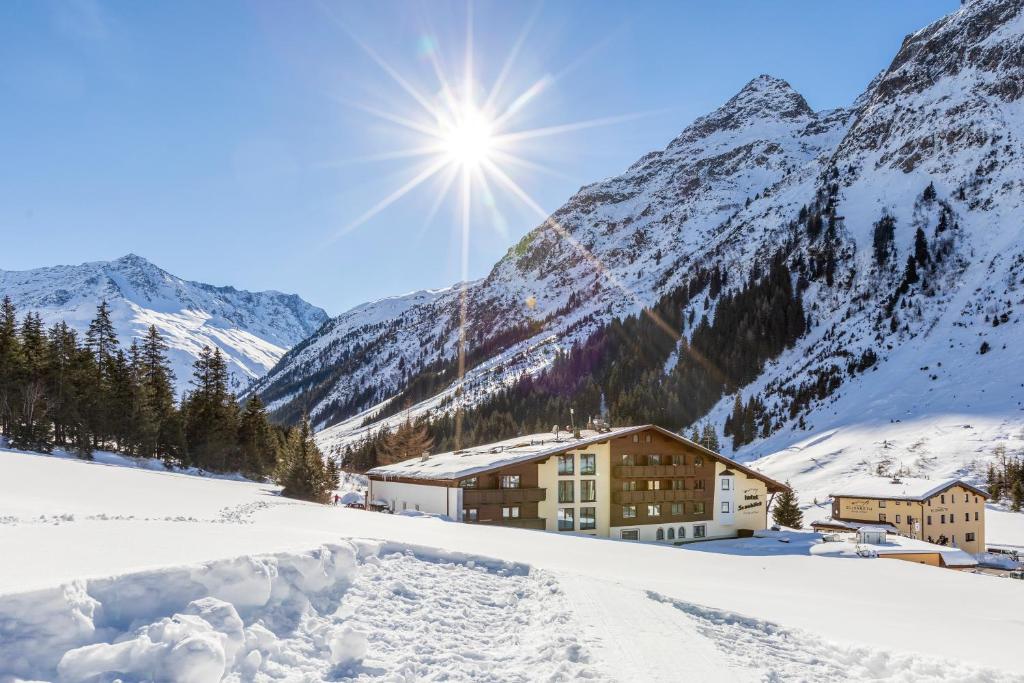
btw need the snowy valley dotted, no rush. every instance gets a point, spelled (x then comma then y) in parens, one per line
(897, 220)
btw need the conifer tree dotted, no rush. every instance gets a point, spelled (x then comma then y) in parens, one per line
(910, 274)
(1017, 494)
(709, 437)
(256, 445)
(407, 441)
(786, 511)
(10, 365)
(306, 476)
(32, 428)
(211, 415)
(921, 253)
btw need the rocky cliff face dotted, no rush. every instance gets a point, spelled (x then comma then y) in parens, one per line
(932, 147)
(253, 329)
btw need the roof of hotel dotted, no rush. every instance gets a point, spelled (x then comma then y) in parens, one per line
(467, 462)
(898, 545)
(905, 488)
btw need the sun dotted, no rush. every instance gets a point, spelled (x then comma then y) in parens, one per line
(469, 140)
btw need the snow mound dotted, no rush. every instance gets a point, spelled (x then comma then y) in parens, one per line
(354, 608)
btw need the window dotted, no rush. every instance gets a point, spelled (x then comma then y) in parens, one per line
(509, 481)
(511, 512)
(468, 483)
(565, 464)
(647, 438)
(628, 459)
(698, 461)
(929, 519)
(588, 491)
(975, 516)
(881, 503)
(588, 518)
(897, 519)
(566, 519)
(969, 537)
(629, 485)
(678, 484)
(654, 510)
(725, 484)
(565, 492)
(629, 511)
(636, 438)
(659, 535)
(677, 508)
(967, 498)
(942, 519)
(678, 460)
(682, 532)
(588, 463)
(469, 514)
(881, 516)
(671, 533)
(942, 499)
(654, 485)
(700, 531)
(975, 499)
(698, 507)
(725, 507)
(967, 516)
(699, 485)
(653, 459)
(630, 535)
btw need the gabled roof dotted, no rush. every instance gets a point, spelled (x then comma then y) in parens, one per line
(468, 462)
(907, 488)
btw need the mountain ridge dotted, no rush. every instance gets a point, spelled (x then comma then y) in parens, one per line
(253, 329)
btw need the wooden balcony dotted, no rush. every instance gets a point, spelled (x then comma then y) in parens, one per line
(654, 471)
(475, 497)
(663, 496)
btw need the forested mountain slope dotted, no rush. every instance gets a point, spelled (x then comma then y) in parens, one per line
(781, 271)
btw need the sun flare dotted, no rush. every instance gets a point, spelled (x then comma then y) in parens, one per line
(469, 140)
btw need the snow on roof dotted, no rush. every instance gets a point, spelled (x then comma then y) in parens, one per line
(905, 488)
(469, 461)
(899, 545)
(832, 522)
(870, 527)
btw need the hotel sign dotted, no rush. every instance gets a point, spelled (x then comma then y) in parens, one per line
(752, 500)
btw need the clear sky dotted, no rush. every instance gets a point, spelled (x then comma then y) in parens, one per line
(239, 142)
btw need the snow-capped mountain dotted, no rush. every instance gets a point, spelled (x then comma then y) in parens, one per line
(932, 147)
(252, 329)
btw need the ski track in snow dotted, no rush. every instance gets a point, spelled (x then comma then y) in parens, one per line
(781, 654)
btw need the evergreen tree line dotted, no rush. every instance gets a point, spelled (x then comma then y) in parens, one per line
(659, 366)
(82, 393)
(1006, 481)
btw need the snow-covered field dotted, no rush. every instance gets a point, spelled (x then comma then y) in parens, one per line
(168, 576)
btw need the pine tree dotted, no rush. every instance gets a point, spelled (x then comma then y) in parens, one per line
(407, 441)
(910, 274)
(786, 511)
(166, 439)
(921, 253)
(211, 415)
(1017, 494)
(929, 193)
(709, 438)
(11, 362)
(306, 476)
(256, 441)
(32, 430)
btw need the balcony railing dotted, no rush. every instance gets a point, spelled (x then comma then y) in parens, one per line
(663, 496)
(654, 471)
(471, 497)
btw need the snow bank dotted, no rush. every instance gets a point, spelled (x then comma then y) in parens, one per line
(321, 613)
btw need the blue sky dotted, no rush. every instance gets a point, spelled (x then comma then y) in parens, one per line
(228, 141)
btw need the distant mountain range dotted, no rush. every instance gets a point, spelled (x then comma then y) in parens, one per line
(252, 329)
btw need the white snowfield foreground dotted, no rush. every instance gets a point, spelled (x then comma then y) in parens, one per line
(113, 573)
